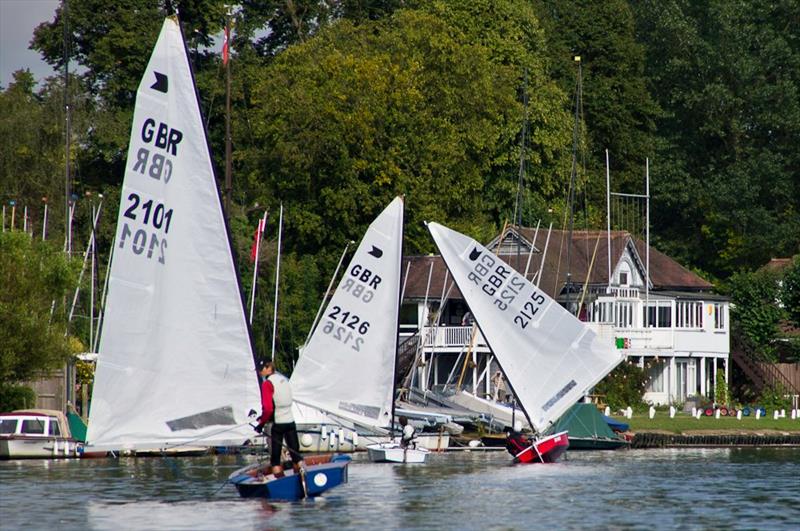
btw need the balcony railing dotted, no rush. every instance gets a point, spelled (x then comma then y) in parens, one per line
(451, 337)
(625, 292)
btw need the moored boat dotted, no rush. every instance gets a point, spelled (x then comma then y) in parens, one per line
(36, 433)
(392, 452)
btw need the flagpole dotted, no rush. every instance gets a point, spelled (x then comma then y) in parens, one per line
(277, 283)
(259, 231)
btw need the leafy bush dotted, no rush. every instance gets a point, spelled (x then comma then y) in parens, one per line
(16, 397)
(774, 398)
(624, 387)
(721, 389)
(790, 294)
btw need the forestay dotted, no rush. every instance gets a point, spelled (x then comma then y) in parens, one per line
(347, 368)
(550, 358)
(175, 362)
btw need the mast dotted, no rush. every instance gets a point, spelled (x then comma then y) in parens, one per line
(277, 283)
(400, 293)
(518, 205)
(228, 148)
(68, 128)
(259, 231)
(573, 177)
(608, 220)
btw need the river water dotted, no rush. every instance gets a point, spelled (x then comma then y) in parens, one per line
(636, 489)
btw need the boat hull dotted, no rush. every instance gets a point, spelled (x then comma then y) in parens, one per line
(29, 447)
(320, 475)
(394, 453)
(546, 450)
(582, 443)
(312, 441)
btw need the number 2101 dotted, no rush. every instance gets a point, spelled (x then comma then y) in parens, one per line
(139, 242)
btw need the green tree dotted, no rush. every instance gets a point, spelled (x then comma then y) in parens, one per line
(359, 114)
(755, 312)
(725, 72)
(109, 45)
(619, 112)
(35, 276)
(790, 292)
(32, 154)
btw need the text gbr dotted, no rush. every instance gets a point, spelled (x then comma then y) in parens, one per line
(503, 284)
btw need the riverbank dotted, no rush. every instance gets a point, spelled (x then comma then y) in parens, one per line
(714, 440)
(686, 424)
(708, 431)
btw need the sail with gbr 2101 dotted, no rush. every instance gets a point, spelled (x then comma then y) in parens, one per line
(549, 357)
(175, 364)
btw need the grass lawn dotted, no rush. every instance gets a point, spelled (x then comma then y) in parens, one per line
(684, 423)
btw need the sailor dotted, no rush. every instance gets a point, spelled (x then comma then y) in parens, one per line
(276, 407)
(499, 386)
(408, 435)
(516, 442)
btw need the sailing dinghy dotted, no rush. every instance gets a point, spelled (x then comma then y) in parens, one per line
(549, 357)
(343, 382)
(175, 366)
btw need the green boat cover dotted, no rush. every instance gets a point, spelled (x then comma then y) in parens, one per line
(584, 421)
(76, 426)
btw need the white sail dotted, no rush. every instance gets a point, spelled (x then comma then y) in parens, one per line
(549, 357)
(347, 368)
(175, 362)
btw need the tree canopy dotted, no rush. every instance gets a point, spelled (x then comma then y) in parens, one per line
(339, 106)
(36, 276)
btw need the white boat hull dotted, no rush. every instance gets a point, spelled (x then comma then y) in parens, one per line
(394, 453)
(342, 441)
(37, 447)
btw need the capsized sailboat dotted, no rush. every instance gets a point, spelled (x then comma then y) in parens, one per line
(550, 358)
(343, 382)
(175, 365)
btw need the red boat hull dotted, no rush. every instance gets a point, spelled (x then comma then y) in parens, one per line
(546, 450)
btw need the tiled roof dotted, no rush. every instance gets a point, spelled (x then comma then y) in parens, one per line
(665, 273)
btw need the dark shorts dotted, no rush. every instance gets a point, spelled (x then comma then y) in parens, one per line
(280, 433)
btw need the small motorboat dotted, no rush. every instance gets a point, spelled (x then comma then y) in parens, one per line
(320, 474)
(392, 452)
(36, 433)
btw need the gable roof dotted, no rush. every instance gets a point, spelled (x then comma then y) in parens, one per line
(586, 248)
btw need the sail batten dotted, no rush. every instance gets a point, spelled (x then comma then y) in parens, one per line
(549, 357)
(347, 367)
(175, 362)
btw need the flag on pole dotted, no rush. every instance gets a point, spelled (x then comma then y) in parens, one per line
(226, 45)
(257, 239)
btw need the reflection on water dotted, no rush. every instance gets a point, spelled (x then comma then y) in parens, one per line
(681, 488)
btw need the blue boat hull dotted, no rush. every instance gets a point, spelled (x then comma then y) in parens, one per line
(319, 478)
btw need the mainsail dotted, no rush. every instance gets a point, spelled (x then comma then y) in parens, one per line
(175, 363)
(550, 358)
(347, 368)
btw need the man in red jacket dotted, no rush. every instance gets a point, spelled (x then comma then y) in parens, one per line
(276, 407)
